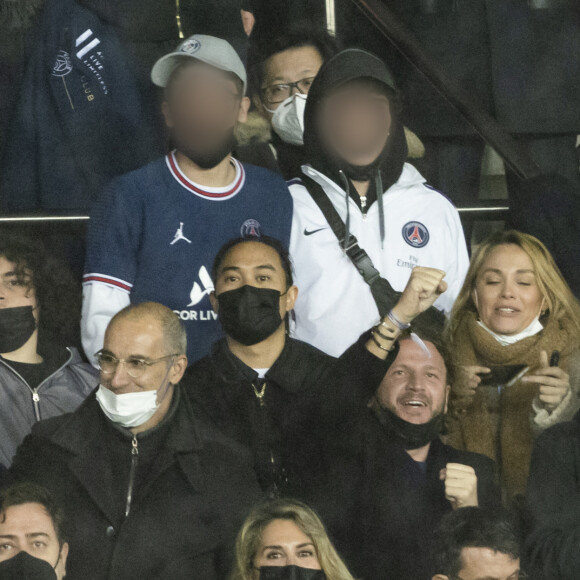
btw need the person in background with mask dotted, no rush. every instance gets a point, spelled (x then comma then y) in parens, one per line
(32, 541)
(154, 232)
(272, 393)
(515, 332)
(392, 478)
(149, 490)
(281, 70)
(41, 374)
(356, 151)
(285, 540)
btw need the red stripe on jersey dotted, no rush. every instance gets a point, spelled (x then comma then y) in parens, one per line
(106, 280)
(176, 172)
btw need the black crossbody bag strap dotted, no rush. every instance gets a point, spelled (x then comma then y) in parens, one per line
(384, 295)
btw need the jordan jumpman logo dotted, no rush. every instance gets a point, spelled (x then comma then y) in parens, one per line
(179, 235)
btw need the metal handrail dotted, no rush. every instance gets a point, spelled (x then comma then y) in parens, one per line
(497, 208)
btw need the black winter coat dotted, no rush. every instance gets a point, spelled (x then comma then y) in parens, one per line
(184, 515)
(80, 118)
(307, 394)
(553, 499)
(381, 508)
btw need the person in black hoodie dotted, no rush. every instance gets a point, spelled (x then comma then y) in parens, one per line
(355, 146)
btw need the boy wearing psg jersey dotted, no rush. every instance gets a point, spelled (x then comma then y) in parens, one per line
(154, 231)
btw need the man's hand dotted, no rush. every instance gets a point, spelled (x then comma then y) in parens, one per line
(460, 485)
(424, 287)
(553, 381)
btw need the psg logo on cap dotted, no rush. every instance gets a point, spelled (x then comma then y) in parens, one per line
(415, 234)
(190, 46)
(251, 229)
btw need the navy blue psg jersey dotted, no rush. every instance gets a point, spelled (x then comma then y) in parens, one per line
(154, 234)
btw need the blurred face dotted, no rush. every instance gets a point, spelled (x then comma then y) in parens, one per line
(285, 544)
(201, 108)
(415, 386)
(355, 121)
(506, 294)
(486, 564)
(258, 265)
(14, 292)
(295, 65)
(29, 527)
(139, 338)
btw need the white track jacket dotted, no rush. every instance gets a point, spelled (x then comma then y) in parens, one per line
(335, 305)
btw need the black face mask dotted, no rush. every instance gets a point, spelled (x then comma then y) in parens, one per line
(249, 314)
(23, 565)
(409, 435)
(16, 327)
(290, 573)
(207, 158)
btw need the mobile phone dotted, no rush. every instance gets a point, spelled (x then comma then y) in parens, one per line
(502, 375)
(555, 358)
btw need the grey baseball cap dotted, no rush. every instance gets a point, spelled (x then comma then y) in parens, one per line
(213, 51)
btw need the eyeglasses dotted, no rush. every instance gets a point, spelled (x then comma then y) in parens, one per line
(136, 367)
(280, 92)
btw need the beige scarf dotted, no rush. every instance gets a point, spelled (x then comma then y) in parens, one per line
(471, 425)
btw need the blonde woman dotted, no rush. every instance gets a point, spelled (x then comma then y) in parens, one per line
(285, 539)
(515, 334)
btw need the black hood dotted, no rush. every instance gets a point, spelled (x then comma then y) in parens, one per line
(349, 65)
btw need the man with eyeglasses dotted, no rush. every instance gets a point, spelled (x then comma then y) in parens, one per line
(154, 232)
(281, 71)
(477, 544)
(149, 489)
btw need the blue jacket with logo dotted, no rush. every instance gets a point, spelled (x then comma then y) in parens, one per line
(80, 120)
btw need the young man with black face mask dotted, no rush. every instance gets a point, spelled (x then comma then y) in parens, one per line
(154, 232)
(392, 478)
(41, 374)
(32, 537)
(275, 394)
(356, 150)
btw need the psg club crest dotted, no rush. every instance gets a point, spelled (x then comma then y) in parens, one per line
(250, 229)
(415, 234)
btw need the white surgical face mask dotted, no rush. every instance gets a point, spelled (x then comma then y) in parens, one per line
(288, 119)
(130, 409)
(505, 339)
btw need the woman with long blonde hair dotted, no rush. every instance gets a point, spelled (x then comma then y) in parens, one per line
(514, 332)
(284, 538)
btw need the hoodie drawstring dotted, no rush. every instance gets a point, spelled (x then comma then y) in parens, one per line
(379, 190)
(347, 199)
